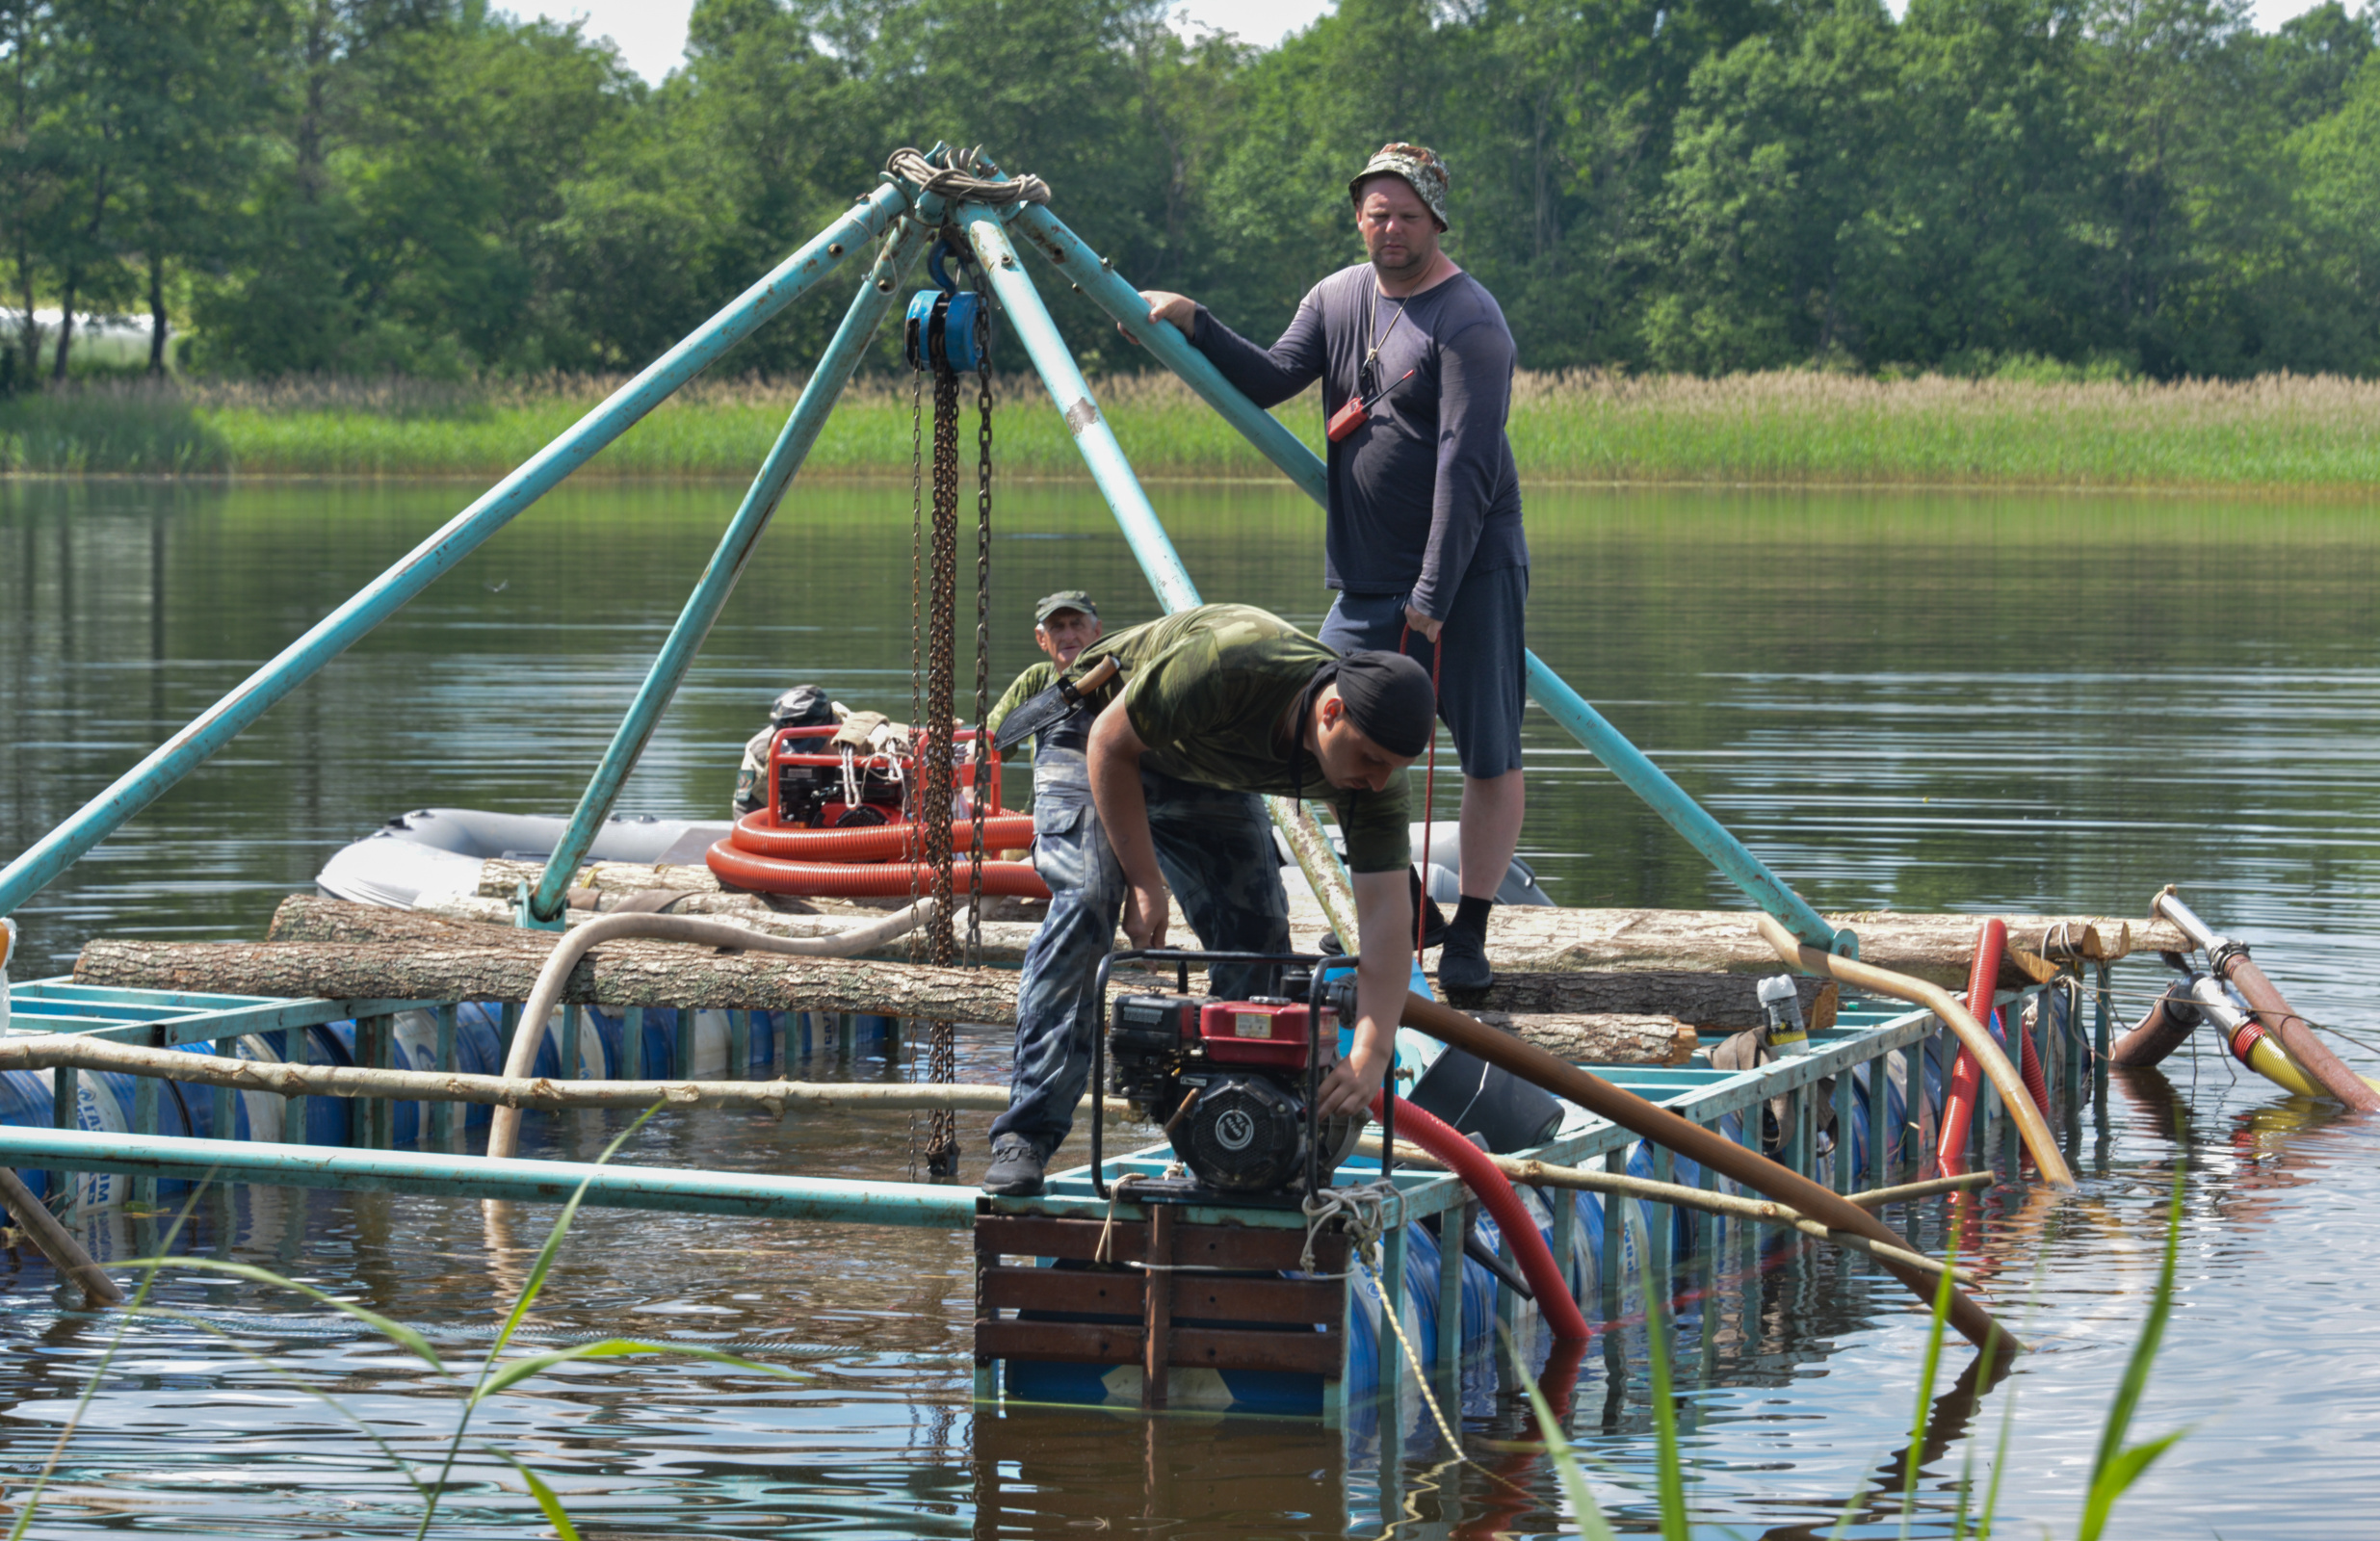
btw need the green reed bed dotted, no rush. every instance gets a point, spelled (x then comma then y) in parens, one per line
(2280, 432)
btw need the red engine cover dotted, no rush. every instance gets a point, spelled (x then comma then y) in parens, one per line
(1258, 1033)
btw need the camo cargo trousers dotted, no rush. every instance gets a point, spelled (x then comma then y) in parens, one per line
(1216, 850)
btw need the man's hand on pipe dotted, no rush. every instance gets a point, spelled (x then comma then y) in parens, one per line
(1165, 305)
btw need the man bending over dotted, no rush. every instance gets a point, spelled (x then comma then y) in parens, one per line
(1216, 706)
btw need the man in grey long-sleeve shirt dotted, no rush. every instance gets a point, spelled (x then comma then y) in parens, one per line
(1423, 541)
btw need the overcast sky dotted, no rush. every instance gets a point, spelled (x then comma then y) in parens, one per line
(651, 34)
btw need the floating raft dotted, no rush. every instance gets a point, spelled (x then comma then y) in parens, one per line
(1206, 1305)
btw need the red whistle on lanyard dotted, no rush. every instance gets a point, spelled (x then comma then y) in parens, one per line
(1358, 408)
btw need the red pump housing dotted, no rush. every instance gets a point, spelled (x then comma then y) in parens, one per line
(1263, 1034)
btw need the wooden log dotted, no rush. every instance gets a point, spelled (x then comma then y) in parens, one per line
(1935, 947)
(50, 1051)
(1706, 999)
(310, 917)
(379, 954)
(497, 967)
(1602, 1038)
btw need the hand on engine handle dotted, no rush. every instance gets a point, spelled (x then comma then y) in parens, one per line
(1145, 915)
(1352, 1085)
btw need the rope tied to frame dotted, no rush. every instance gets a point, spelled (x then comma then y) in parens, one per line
(1362, 1209)
(961, 181)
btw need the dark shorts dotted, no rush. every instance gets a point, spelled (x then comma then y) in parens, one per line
(1482, 680)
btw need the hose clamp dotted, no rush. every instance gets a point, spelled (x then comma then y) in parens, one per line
(2221, 950)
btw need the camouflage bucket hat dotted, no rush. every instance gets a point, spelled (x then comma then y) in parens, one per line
(1420, 167)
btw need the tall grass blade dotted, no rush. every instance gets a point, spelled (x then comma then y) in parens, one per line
(396, 1332)
(1592, 1525)
(547, 1500)
(297, 1383)
(2115, 1468)
(98, 1371)
(534, 1285)
(1672, 1478)
(529, 1290)
(516, 1371)
(1926, 1388)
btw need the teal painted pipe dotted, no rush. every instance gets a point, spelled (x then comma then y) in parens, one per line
(880, 293)
(1685, 815)
(1143, 530)
(1083, 267)
(750, 1195)
(137, 788)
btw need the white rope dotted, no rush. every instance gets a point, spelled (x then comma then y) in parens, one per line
(961, 183)
(1361, 1209)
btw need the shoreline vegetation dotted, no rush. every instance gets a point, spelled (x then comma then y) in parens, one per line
(2276, 433)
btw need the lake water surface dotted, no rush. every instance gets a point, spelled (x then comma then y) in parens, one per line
(1975, 702)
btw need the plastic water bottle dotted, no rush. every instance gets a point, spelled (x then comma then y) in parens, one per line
(1781, 1001)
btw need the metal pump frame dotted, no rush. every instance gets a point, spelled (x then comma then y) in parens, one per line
(901, 217)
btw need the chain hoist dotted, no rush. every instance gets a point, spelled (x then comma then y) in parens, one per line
(948, 332)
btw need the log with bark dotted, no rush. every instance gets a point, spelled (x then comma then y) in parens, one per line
(341, 952)
(1716, 1001)
(1526, 938)
(1936, 947)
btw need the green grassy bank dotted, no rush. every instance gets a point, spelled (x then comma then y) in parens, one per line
(2275, 432)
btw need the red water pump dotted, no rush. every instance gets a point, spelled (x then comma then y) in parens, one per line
(1232, 1081)
(842, 824)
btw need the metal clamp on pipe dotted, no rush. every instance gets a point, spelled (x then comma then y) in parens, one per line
(2231, 963)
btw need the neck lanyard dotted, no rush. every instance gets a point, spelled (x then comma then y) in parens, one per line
(1372, 314)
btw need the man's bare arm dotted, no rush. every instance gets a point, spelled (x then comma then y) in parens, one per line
(1384, 923)
(1114, 760)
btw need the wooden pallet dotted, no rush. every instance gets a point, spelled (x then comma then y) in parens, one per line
(1165, 1294)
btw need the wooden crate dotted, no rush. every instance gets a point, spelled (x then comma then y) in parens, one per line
(1201, 1297)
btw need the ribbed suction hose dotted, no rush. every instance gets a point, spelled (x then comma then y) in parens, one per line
(504, 1126)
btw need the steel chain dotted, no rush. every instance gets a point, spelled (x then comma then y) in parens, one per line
(940, 767)
(980, 778)
(917, 672)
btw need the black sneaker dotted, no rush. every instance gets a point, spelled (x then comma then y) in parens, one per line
(1462, 963)
(1015, 1171)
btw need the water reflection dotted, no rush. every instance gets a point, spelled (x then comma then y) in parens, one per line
(1922, 701)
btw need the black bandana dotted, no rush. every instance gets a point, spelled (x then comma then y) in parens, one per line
(1389, 699)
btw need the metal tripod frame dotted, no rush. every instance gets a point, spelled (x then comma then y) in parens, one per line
(901, 216)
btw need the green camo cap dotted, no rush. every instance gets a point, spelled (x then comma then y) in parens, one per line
(1064, 599)
(1419, 166)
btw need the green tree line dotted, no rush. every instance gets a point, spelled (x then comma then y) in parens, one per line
(434, 187)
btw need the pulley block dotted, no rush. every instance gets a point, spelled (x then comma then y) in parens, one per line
(948, 332)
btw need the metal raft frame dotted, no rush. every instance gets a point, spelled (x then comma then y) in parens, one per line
(899, 220)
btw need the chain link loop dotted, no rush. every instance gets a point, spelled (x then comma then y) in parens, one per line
(980, 778)
(917, 672)
(934, 732)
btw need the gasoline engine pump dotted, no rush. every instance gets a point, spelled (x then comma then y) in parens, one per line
(1233, 1082)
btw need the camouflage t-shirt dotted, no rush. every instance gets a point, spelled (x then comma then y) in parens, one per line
(1207, 690)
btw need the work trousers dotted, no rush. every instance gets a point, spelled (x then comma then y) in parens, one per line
(1216, 851)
